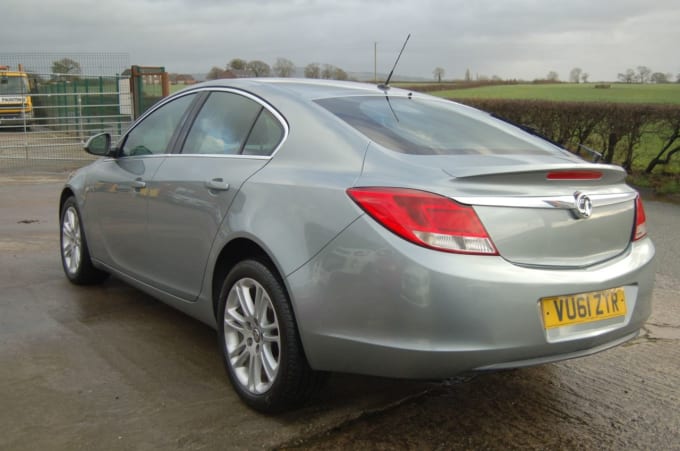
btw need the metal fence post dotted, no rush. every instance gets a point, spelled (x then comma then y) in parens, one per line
(101, 101)
(81, 131)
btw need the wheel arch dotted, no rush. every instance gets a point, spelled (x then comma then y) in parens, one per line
(65, 194)
(237, 250)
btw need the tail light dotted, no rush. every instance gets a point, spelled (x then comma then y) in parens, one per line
(426, 219)
(640, 220)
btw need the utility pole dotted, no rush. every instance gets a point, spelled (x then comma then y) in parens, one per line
(375, 62)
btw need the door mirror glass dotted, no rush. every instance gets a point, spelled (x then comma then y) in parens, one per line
(99, 144)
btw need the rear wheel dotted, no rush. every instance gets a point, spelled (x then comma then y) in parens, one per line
(259, 340)
(75, 256)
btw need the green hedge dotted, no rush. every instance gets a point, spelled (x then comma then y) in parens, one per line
(647, 135)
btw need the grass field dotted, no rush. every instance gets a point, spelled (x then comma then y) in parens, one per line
(569, 92)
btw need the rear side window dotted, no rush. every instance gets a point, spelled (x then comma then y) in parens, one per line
(222, 125)
(266, 134)
(430, 127)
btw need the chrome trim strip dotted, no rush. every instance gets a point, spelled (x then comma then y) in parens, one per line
(560, 202)
(260, 101)
(136, 157)
(217, 155)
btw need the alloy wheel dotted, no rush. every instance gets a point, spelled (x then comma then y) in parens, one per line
(71, 240)
(252, 336)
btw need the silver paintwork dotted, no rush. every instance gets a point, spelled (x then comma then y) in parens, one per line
(365, 300)
(428, 314)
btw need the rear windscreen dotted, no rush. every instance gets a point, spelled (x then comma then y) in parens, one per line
(431, 127)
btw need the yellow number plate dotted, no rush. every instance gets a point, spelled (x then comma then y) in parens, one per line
(583, 308)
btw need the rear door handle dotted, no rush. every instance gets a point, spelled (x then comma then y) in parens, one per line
(217, 184)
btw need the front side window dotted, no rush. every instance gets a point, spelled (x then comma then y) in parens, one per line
(223, 125)
(152, 136)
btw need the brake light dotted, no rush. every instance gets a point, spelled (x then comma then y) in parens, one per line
(426, 219)
(574, 175)
(640, 220)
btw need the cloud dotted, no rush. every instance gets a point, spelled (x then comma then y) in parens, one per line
(513, 39)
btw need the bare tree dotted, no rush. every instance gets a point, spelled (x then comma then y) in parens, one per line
(237, 64)
(438, 73)
(67, 68)
(644, 73)
(659, 77)
(259, 68)
(628, 76)
(584, 77)
(333, 73)
(575, 75)
(327, 71)
(215, 73)
(553, 76)
(313, 70)
(284, 67)
(339, 74)
(468, 77)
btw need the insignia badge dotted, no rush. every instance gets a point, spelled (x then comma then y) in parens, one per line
(583, 206)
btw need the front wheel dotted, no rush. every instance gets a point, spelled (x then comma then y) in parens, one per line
(259, 340)
(75, 257)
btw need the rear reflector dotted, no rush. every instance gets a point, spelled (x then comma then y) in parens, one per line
(574, 175)
(426, 219)
(640, 220)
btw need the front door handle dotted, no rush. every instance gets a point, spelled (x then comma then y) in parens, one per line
(217, 184)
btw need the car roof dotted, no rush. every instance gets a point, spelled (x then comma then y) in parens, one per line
(303, 87)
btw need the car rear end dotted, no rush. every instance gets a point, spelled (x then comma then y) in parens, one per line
(482, 247)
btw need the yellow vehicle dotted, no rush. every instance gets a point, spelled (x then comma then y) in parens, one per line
(16, 106)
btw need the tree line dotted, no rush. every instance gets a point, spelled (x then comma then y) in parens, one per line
(282, 67)
(642, 74)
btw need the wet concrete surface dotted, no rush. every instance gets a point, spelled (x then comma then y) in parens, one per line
(108, 367)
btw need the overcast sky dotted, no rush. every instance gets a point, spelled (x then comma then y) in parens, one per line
(510, 38)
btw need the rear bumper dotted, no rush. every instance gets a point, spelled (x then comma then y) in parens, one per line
(15, 118)
(373, 303)
(558, 357)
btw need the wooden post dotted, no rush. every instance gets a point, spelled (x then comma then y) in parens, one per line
(165, 80)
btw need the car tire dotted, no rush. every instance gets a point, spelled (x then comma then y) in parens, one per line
(259, 340)
(75, 256)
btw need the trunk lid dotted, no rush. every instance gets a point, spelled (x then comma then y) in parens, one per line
(542, 211)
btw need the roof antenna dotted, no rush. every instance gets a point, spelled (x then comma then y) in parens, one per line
(385, 86)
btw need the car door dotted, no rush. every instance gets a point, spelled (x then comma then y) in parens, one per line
(231, 138)
(118, 198)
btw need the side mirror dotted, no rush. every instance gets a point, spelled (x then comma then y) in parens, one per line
(99, 144)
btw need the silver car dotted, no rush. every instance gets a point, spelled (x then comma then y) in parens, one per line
(325, 226)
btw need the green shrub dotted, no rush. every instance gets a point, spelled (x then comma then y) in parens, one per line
(643, 136)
